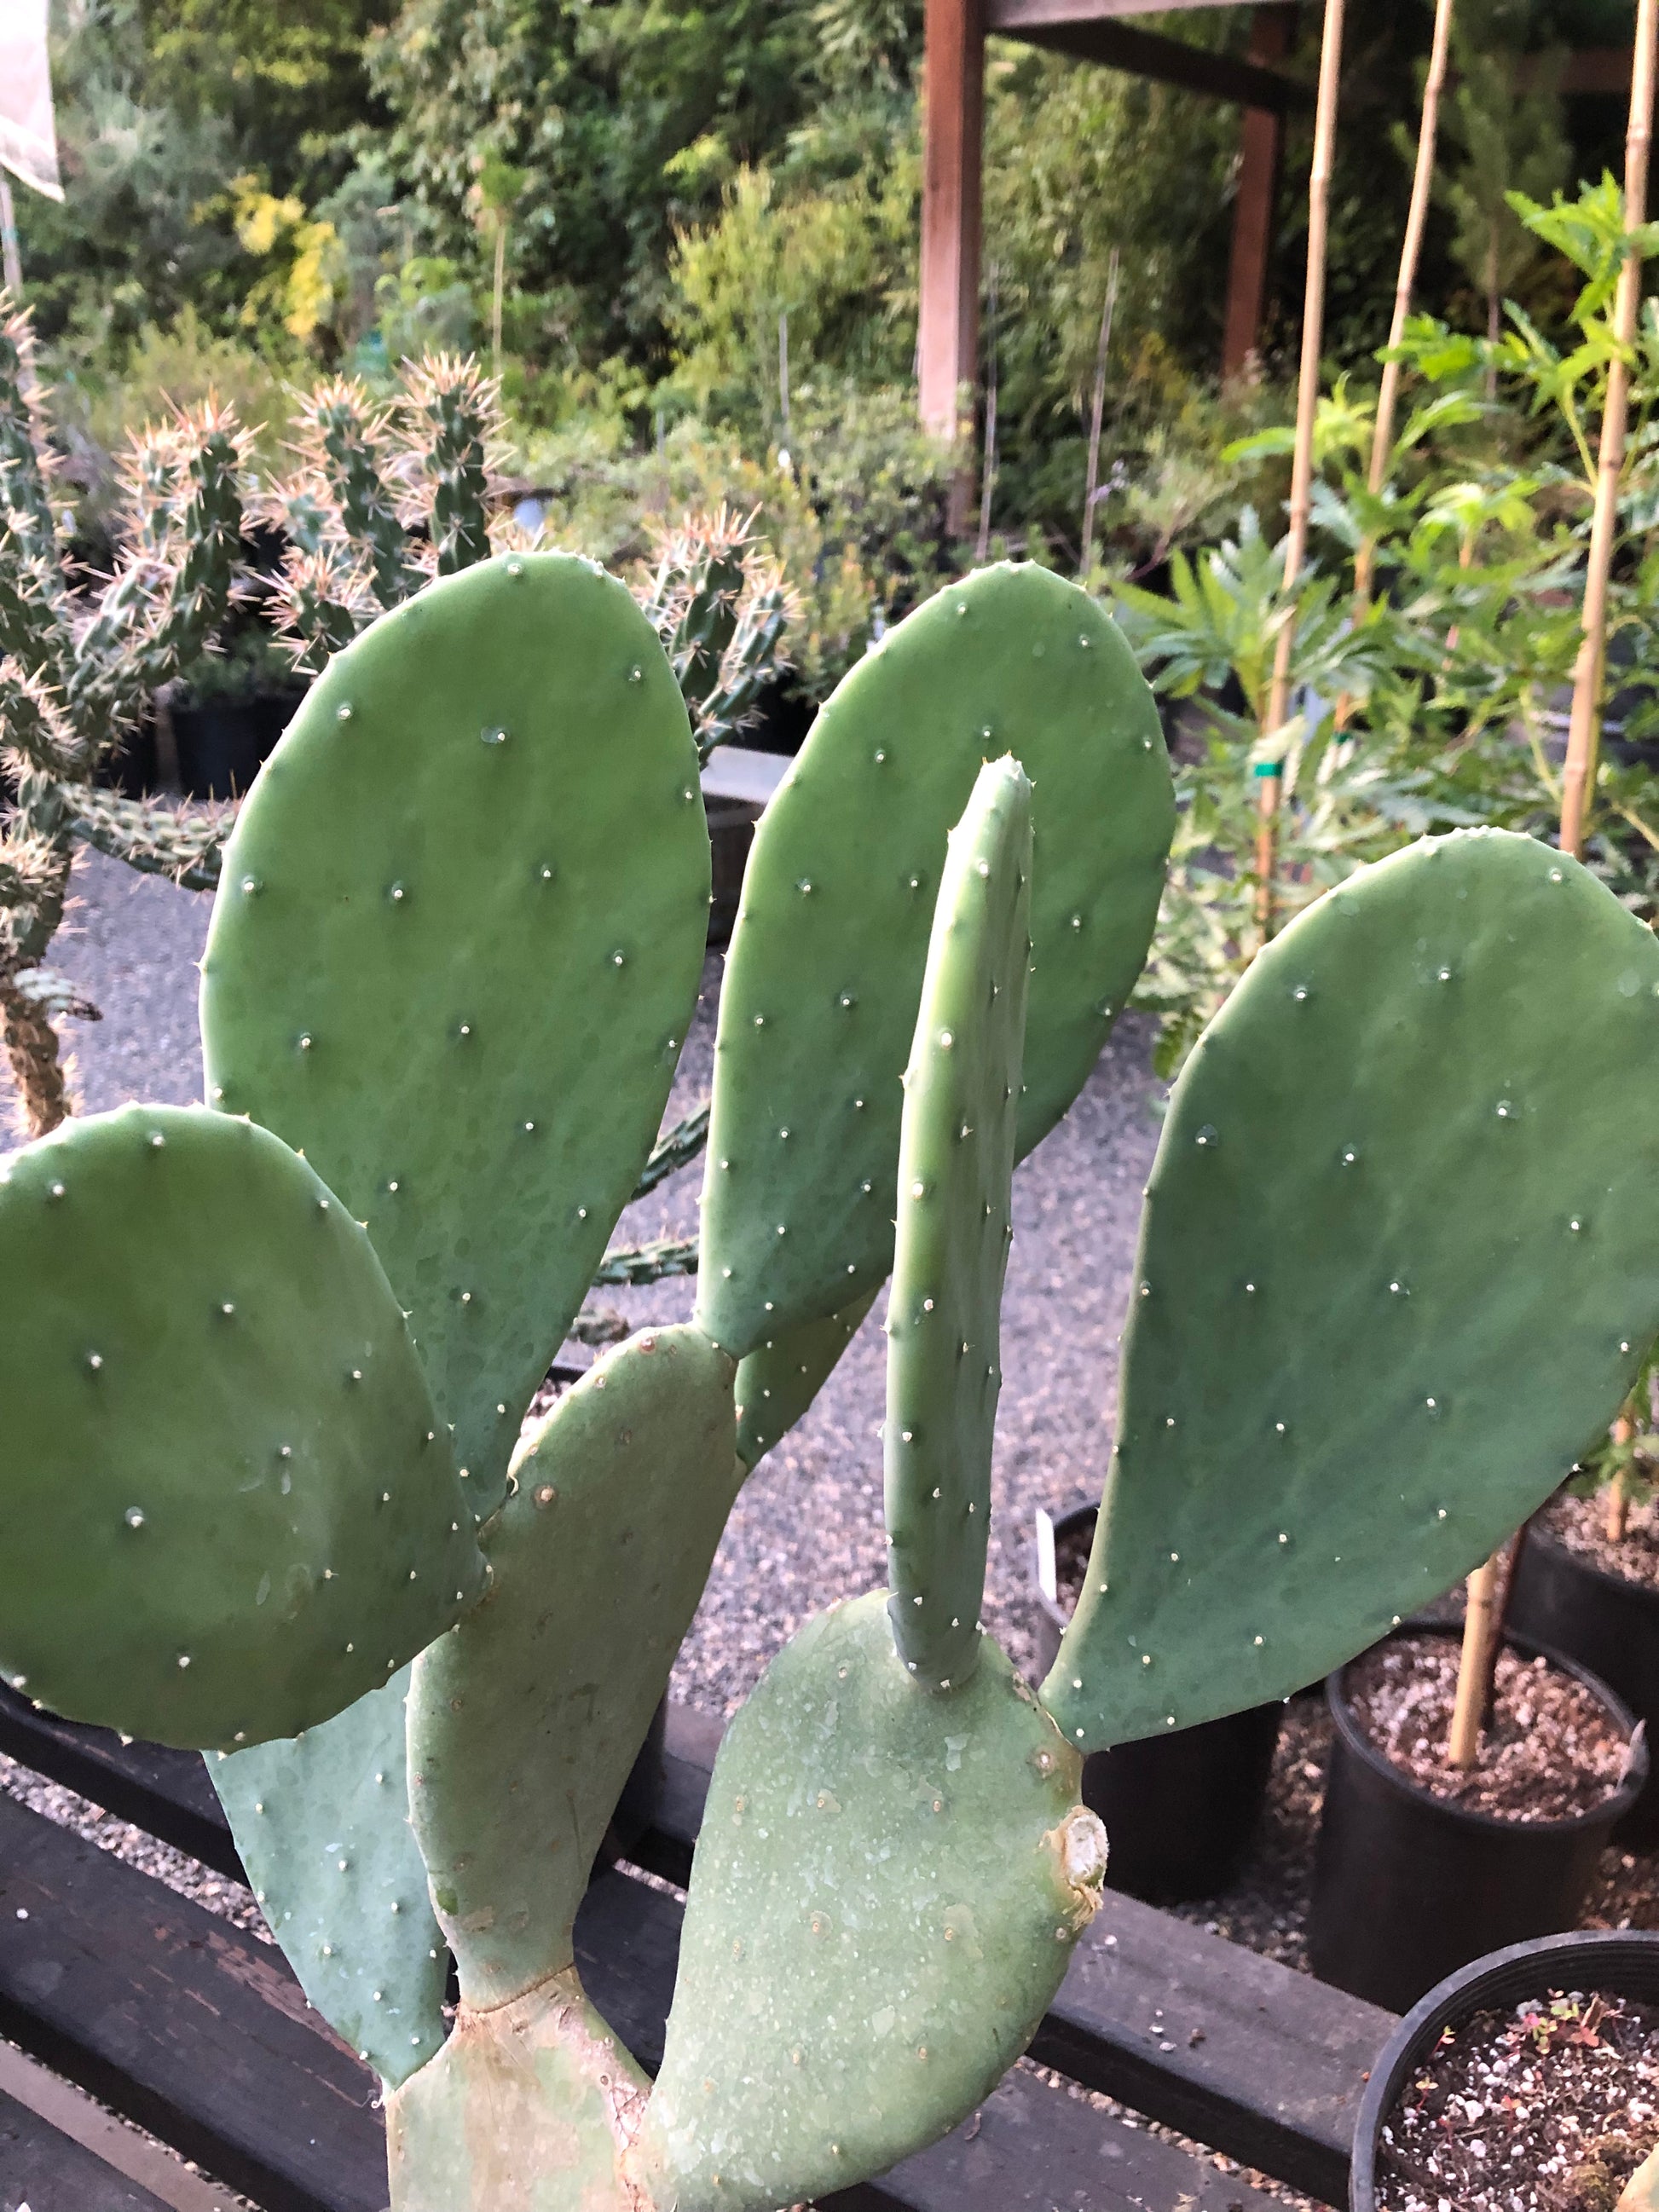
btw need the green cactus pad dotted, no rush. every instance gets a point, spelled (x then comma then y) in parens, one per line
(524, 1722)
(455, 950)
(1399, 1262)
(230, 1506)
(824, 976)
(778, 1382)
(322, 1825)
(956, 1163)
(884, 1898)
(528, 2107)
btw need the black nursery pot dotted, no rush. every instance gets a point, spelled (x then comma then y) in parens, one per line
(1606, 1624)
(1408, 1887)
(1179, 1809)
(224, 742)
(1616, 1962)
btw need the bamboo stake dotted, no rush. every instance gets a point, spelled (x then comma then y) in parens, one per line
(1479, 1638)
(1584, 729)
(1624, 1431)
(1479, 1652)
(1411, 252)
(988, 472)
(1091, 482)
(1307, 405)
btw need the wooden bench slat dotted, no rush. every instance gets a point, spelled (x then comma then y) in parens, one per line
(200, 2032)
(48, 2172)
(181, 2022)
(1274, 2079)
(166, 1793)
(1265, 2063)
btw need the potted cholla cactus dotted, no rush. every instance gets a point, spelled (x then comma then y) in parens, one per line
(265, 1363)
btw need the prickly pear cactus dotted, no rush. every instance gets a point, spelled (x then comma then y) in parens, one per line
(825, 968)
(1396, 1268)
(456, 951)
(1397, 1264)
(232, 1508)
(893, 1865)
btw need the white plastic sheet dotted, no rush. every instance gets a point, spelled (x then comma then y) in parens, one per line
(28, 141)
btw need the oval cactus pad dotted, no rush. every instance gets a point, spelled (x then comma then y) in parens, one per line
(824, 976)
(230, 1504)
(455, 949)
(886, 1891)
(1400, 1262)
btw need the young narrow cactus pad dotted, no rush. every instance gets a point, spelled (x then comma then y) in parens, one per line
(1400, 1262)
(524, 1722)
(322, 1825)
(455, 950)
(825, 970)
(231, 1505)
(778, 1382)
(886, 1894)
(956, 1160)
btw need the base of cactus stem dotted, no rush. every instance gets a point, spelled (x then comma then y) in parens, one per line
(38, 1068)
(523, 2097)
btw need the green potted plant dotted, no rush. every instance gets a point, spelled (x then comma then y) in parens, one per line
(265, 1361)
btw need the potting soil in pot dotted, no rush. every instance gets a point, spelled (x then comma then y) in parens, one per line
(1549, 1752)
(1548, 2107)
(1580, 1524)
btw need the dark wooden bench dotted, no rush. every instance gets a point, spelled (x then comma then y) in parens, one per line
(199, 2032)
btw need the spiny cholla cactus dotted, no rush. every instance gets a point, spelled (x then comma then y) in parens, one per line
(717, 601)
(76, 669)
(385, 496)
(265, 1474)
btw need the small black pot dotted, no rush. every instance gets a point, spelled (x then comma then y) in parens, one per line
(1606, 1624)
(222, 743)
(642, 1794)
(1617, 1962)
(1179, 1810)
(1407, 1887)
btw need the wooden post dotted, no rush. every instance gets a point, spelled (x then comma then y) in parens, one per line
(1261, 147)
(953, 96)
(1411, 251)
(1584, 729)
(1307, 405)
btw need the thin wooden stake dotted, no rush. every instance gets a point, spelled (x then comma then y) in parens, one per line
(1411, 252)
(783, 368)
(1584, 729)
(498, 293)
(988, 474)
(1097, 409)
(1480, 1636)
(1307, 406)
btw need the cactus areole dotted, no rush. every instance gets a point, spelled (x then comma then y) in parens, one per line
(265, 1363)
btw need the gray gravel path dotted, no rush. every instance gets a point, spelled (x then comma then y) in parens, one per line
(808, 1527)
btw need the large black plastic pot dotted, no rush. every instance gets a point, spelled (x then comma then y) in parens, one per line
(1408, 1887)
(1179, 1810)
(1618, 1963)
(1605, 1623)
